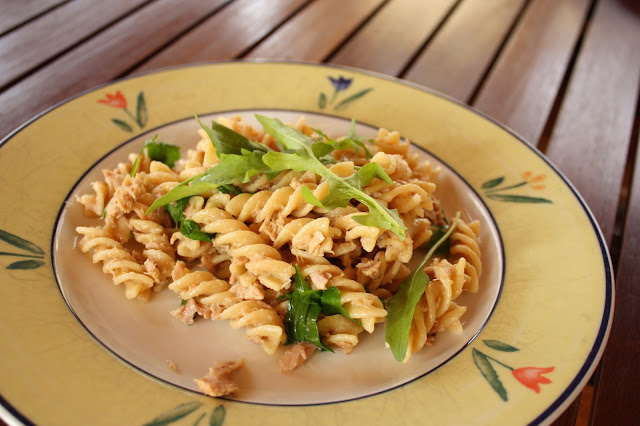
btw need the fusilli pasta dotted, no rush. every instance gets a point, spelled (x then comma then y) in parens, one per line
(239, 250)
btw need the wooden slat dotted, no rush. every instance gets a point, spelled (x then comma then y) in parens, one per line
(386, 48)
(16, 12)
(316, 31)
(84, 67)
(618, 389)
(63, 27)
(595, 121)
(570, 415)
(459, 55)
(227, 34)
(521, 88)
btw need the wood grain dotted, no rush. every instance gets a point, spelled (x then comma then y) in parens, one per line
(457, 58)
(386, 48)
(64, 27)
(100, 59)
(522, 86)
(619, 369)
(16, 12)
(316, 31)
(595, 121)
(226, 34)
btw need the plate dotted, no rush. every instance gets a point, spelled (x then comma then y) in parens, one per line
(532, 335)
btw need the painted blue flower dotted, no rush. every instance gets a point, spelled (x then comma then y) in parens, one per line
(340, 83)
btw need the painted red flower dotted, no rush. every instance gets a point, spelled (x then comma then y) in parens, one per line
(532, 377)
(117, 101)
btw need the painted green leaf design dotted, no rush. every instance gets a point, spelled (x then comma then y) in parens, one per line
(322, 101)
(519, 199)
(346, 102)
(500, 346)
(175, 414)
(123, 126)
(489, 373)
(197, 422)
(141, 110)
(6, 253)
(16, 241)
(217, 416)
(26, 264)
(493, 183)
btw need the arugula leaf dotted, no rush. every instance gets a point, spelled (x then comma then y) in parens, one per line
(188, 228)
(438, 233)
(161, 151)
(305, 305)
(301, 319)
(191, 229)
(349, 141)
(234, 167)
(240, 159)
(175, 210)
(330, 301)
(228, 141)
(299, 156)
(229, 189)
(402, 304)
(135, 167)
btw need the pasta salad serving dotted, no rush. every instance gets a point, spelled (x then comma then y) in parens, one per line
(303, 240)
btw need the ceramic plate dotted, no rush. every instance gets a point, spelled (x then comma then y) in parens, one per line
(74, 350)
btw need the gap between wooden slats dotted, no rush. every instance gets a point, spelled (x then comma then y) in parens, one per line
(456, 60)
(65, 27)
(227, 34)
(14, 13)
(522, 86)
(316, 31)
(616, 398)
(82, 68)
(597, 113)
(384, 46)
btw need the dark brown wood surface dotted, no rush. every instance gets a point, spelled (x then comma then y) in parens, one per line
(563, 74)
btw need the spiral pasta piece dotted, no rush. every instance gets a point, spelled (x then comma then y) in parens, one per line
(158, 250)
(253, 262)
(363, 306)
(464, 244)
(215, 300)
(436, 310)
(116, 261)
(338, 331)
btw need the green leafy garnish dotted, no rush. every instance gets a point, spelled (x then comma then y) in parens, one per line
(241, 158)
(298, 155)
(135, 167)
(230, 189)
(188, 228)
(349, 141)
(228, 141)
(161, 151)
(305, 305)
(191, 229)
(402, 305)
(438, 233)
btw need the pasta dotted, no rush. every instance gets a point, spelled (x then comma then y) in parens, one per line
(242, 251)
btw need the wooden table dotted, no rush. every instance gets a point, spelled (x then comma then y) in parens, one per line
(563, 74)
